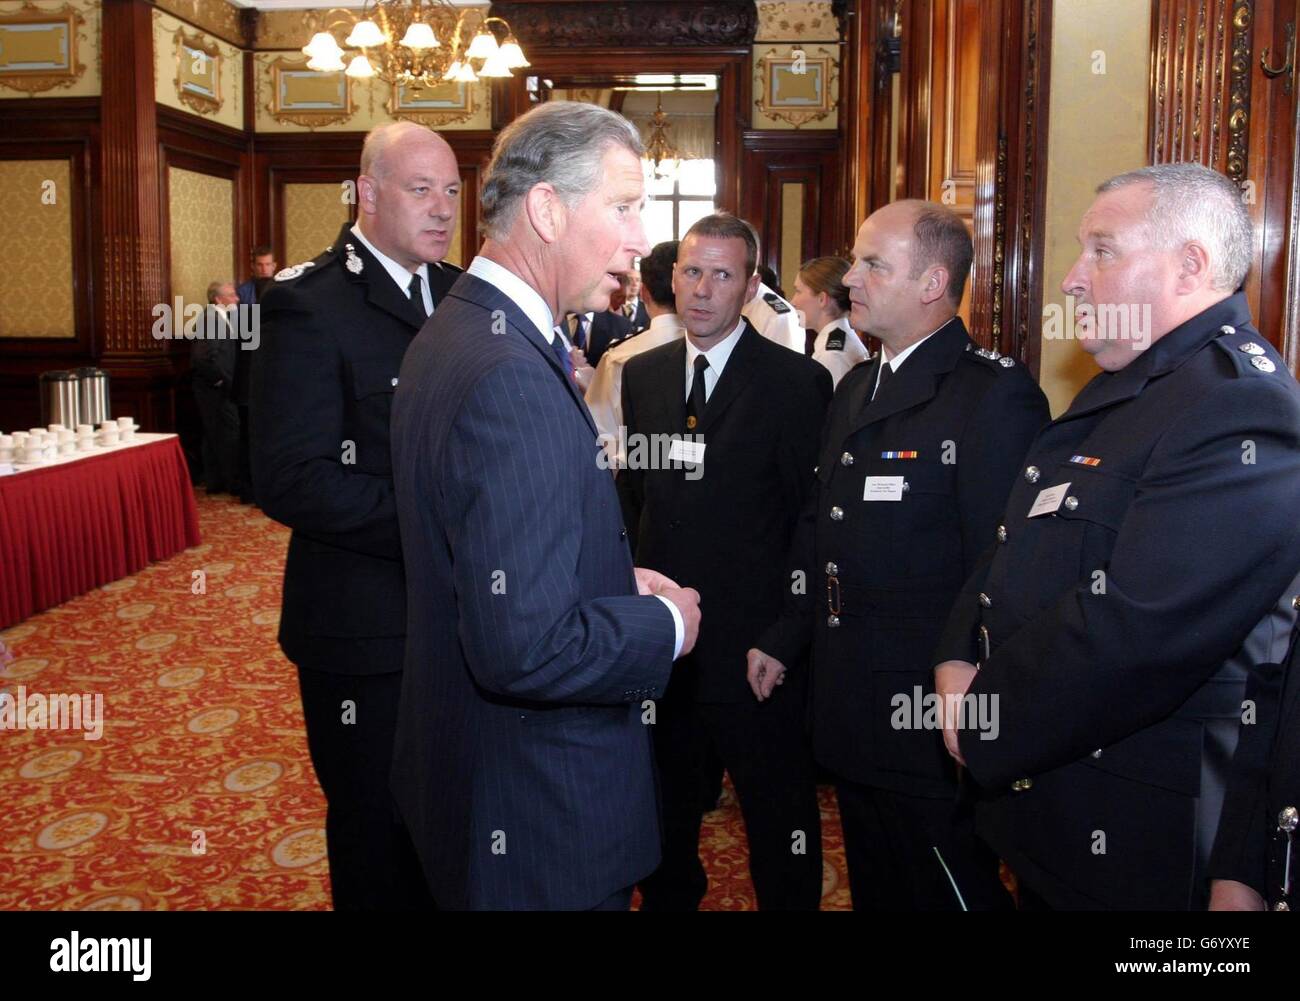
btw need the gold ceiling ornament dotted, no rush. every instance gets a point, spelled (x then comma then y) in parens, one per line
(659, 149)
(414, 42)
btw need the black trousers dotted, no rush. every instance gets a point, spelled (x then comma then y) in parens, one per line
(373, 865)
(890, 841)
(220, 419)
(763, 748)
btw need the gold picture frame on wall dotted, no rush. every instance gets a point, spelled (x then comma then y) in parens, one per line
(797, 87)
(442, 105)
(198, 73)
(38, 48)
(300, 96)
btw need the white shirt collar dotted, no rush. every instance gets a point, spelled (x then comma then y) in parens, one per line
(399, 274)
(666, 321)
(517, 291)
(896, 362)
(717, 355)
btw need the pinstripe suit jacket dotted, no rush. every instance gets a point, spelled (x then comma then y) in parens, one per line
(521, 765)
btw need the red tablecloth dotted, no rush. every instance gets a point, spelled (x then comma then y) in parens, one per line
(69, 528)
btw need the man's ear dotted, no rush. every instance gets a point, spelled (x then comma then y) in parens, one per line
(546, 213)
(367, 194)
(1193, 268)
(752, 289)
(935, 284)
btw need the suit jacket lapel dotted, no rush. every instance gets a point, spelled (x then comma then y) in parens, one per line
(734, 378)
(918, 379)
(381, 291)
(485, 295)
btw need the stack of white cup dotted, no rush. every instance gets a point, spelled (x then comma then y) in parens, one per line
(85, 437)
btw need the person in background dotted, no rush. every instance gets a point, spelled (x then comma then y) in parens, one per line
(264, 269)
(604, 397)
(630, 304)
(820, 295)
(213, 361)
(771, 313)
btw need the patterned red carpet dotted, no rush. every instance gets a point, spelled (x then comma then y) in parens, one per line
(199, 795)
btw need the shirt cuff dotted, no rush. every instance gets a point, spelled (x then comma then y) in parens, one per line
(679, 627)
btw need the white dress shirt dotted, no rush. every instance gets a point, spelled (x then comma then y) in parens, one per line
(399, 274)
(839, 362)
(782, 327)
(717, 355)
(605, 395)
(539, 314)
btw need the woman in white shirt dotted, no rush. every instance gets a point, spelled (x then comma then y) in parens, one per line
(823, 301)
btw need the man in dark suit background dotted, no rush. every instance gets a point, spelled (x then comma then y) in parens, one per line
(920, 450)
(522, 764)
(720, 516)
(630, 304)
(213, 360)
(334, 334)
(1142, 554)
(263, 268)
(593, 332)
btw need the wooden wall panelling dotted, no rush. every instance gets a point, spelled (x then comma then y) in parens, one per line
(955, 93)
(773, 158)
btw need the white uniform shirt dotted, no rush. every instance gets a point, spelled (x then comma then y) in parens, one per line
(839, 360)
(605, 396)
(774, 318)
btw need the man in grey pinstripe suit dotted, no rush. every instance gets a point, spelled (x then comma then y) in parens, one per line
(523, 764)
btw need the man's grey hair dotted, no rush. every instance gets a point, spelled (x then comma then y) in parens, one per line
(1191, 202)
(380, 139)
(214, 289)
(561, 143)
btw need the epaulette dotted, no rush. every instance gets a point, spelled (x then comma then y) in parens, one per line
(298, 270)
(1249, 354)
(776, 302)
(1004, 361)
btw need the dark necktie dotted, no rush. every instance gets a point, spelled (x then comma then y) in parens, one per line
(417, 298)
(695, 405)
(886, 370)
(576, 332)
(562, 353)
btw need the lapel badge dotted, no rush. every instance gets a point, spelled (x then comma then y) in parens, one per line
(353, 263)
(1262, 363)
(898, 455)
(691, 422)
(1250, 348)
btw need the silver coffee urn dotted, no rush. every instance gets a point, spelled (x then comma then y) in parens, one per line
(92, 396)
(60, 399)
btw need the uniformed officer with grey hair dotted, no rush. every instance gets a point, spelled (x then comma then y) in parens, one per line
(1135, 579)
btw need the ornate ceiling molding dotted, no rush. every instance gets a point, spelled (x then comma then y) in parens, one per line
(638, 23)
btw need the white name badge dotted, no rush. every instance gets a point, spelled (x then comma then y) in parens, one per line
(883, 488)
(690, 452)
(1049, 501)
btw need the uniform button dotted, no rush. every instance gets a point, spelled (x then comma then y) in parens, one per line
(1032, 474)
(1071, 503)
(1295, 602)
(1281, 906)
(846, 459)
(1022, 785)
(906, 486)
(1002, 533)
(1097, 753)
(622, 533)
(394, 380)
(674, 524)
(837, 514)
(1288, 819)
(832, 621)
(832, 570)
(1226, 329)
(985, 600)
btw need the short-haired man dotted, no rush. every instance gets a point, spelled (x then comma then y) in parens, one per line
(263, 269)
(1139, 561)
(721, 518)
(631, 306)
(213, 359)
(605, 394)
(918, 455)
(336, 329)
(522, 765)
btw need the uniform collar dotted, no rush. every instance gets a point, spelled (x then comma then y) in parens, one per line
(400, 275)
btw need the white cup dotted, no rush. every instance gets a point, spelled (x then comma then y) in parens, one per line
(67, 447)
(86, 442)
(55, 428)
(66, 435)
(6, 453)
(85, 429)
(108, 437)
(36, 432)
(124, 422)
(6, 441)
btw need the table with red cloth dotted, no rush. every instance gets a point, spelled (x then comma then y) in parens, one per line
(82, 521)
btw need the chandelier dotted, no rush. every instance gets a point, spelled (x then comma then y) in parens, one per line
(659, 150)
(399, 43)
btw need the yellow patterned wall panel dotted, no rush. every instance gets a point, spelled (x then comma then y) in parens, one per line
(313, 214)
(87, 49)
(230, 82)
(784, 21)
(36, 270)
(202, 213)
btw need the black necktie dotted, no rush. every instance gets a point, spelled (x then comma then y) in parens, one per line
(417, 299)
(695, 405)
(562, 353)
(886, 370)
